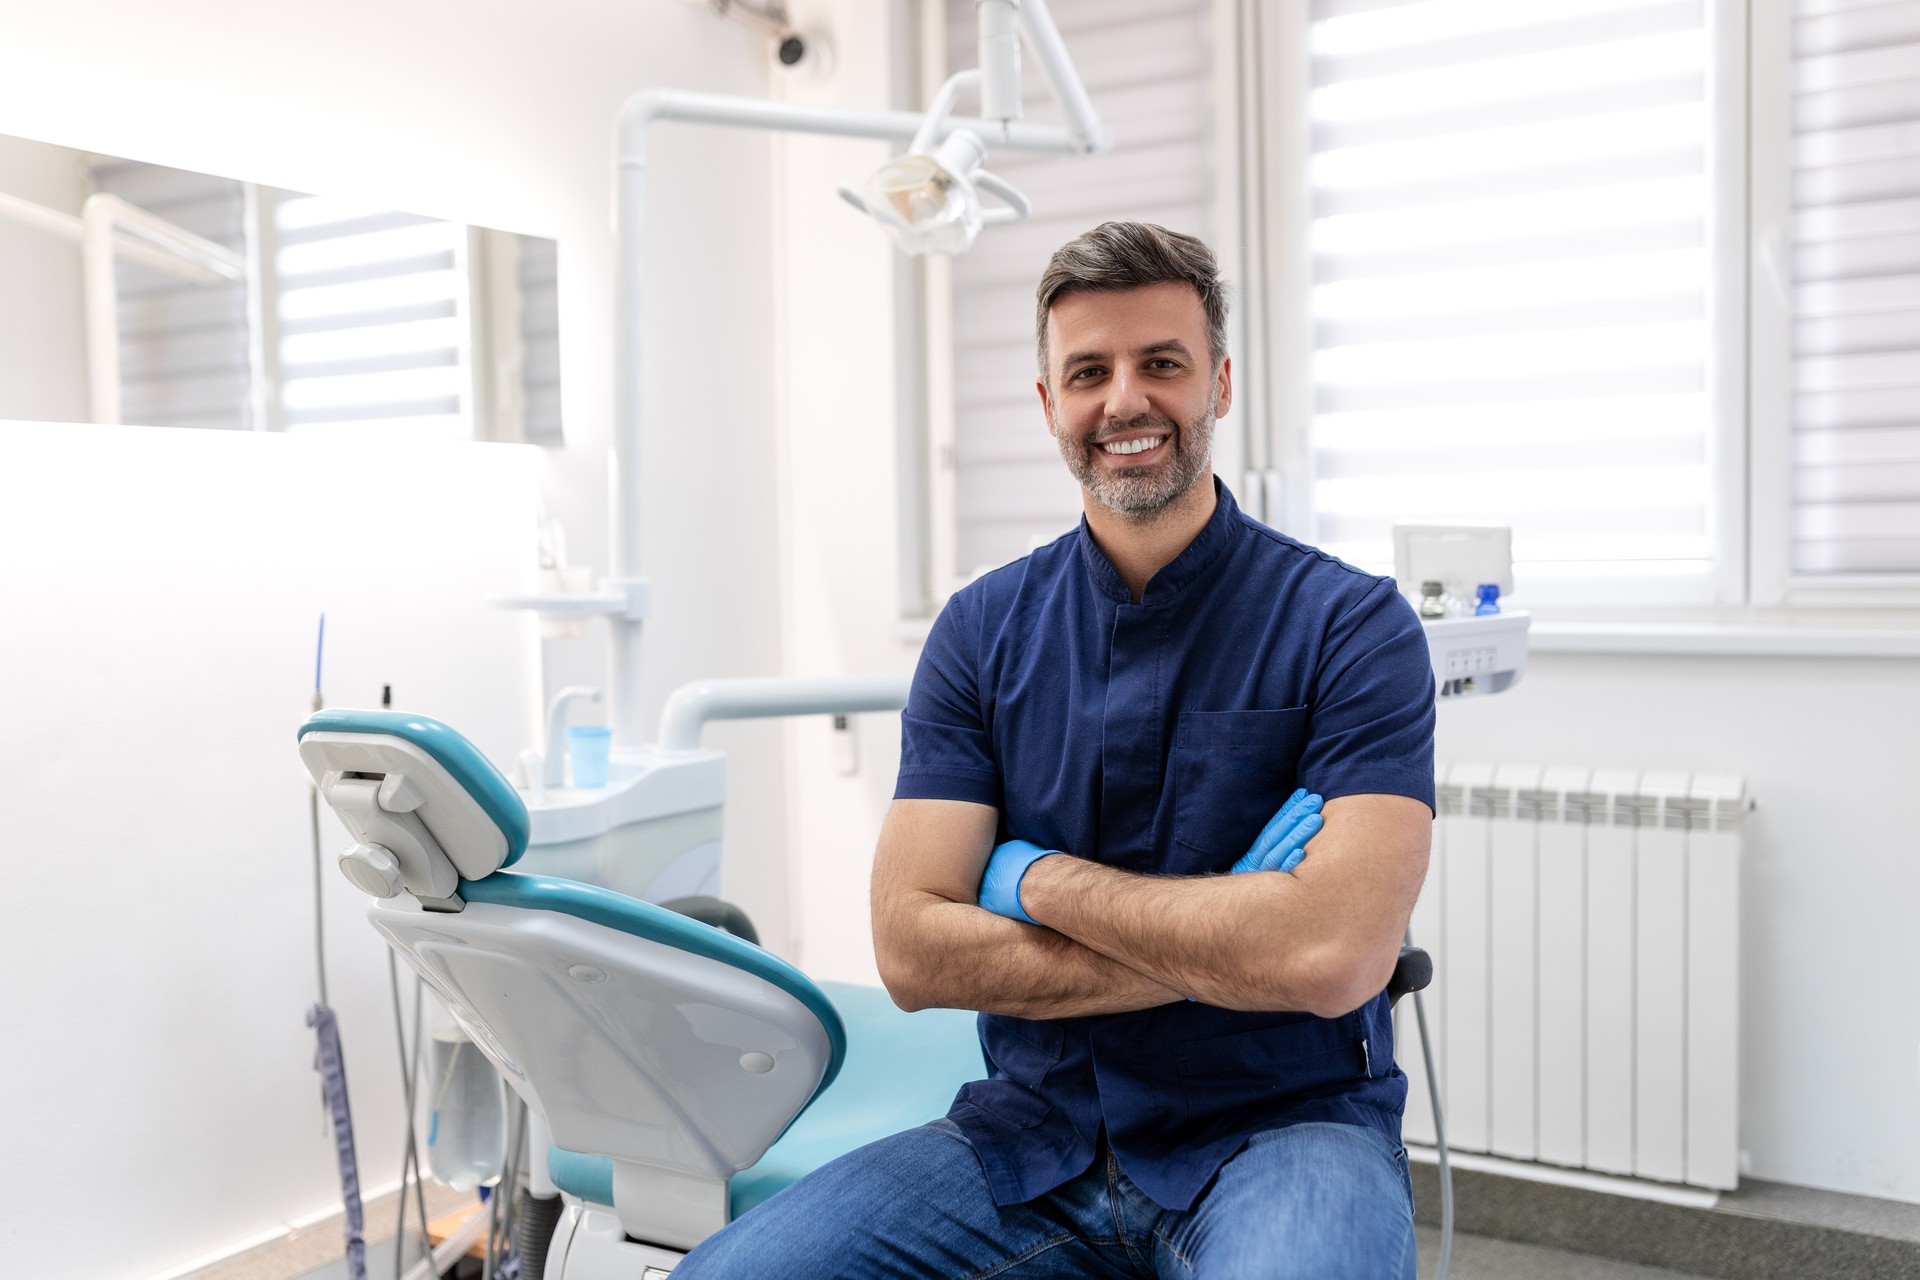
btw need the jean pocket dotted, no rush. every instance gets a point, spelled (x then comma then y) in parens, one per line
(1231, 771)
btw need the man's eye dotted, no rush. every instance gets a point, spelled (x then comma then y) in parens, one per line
(1086, 371)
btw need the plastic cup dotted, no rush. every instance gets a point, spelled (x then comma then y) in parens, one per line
(587, 748)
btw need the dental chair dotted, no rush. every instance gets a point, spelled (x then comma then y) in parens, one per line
(667, 1058)
(682, 1072)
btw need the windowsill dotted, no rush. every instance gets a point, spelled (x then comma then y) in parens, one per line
(1868, 636)
(1769, 639)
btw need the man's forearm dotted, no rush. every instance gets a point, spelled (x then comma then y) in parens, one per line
(1213, 938)
(944, 954)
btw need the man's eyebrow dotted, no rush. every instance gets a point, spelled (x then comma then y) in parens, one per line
(1166, 346)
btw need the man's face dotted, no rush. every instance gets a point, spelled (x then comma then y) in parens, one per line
(1131, 394)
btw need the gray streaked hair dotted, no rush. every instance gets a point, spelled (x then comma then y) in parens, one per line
(1131, 255)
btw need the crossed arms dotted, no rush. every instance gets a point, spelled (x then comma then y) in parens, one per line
(1322, 938)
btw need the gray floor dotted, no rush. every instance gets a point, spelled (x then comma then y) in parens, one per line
(1484, 1258)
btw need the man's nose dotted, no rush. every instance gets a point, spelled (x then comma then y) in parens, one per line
(1126, 397)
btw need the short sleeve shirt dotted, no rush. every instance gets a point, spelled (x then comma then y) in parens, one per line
(1159, 737)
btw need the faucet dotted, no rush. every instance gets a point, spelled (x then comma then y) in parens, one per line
(556, 770)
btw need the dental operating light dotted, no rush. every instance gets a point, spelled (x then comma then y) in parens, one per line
(929, 201)
(929, 198)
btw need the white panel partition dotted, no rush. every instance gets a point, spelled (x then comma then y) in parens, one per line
(1585, 931)
(1425, 927)
(1512, 875)
(1563, 967)
(1660, 978)
(1611, 871)
(1713, 979)
(1466, 972)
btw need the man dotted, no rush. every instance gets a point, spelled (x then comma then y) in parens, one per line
(1192, 1071)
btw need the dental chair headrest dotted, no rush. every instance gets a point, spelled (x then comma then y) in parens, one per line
(426, 808)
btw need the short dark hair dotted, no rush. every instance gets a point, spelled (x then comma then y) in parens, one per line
(1131, 255)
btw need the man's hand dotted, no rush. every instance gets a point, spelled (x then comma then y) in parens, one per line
(1000, 886)
(1280, 847)
(1282, 843)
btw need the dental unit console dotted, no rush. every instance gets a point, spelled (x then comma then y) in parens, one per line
(1473, 654)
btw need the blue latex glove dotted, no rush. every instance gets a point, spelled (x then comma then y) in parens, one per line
(1000, 885)
(1282, 842)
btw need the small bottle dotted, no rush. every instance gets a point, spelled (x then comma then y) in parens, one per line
(466, 1112)
(1432, 603)
(1489, 599)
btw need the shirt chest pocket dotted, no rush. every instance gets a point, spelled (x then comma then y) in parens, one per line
(1231, 771)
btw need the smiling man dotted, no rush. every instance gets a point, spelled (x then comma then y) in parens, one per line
(1192, 1070)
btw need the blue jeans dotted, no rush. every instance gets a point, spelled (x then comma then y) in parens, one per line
(1319, 1201)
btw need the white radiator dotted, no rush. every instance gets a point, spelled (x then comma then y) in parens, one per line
(1585, 931)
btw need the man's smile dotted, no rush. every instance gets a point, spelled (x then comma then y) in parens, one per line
(1134, 446)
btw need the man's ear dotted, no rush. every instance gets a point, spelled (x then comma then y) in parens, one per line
(1046, 404)
(1224, 388)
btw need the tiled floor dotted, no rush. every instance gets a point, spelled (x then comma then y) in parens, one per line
(1483, 1258)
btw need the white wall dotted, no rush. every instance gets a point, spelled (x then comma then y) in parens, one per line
(495, 114)
(161, 597)
(840, 498)
(1830, 1011)
(43, 351)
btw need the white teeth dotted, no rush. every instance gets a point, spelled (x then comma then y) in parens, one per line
(1133, 446)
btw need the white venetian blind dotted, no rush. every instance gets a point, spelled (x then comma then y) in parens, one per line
(372, 320)
(1511, 273)
(1856, 228)
(183, 344)
(1144, 63)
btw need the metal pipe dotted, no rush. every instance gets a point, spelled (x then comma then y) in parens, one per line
(1083, 122)
(68, 226)
(630, 187)
(102, 307)
(643, 108)
(693, 705)
(216, 261)
(1000, 59)
(101, 217)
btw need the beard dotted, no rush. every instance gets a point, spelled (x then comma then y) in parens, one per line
(1142, 492)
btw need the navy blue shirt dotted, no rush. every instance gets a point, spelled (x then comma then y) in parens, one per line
(1159, 737)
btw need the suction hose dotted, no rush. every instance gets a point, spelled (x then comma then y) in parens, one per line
(533, 1233)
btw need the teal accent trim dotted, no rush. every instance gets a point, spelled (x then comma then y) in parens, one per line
(657, 924)
(902, 1071)
(589, 1177)
(486, 784)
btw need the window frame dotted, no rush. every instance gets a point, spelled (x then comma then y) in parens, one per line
(1262, 148)
(1773, 580)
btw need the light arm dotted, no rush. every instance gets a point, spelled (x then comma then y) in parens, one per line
(1322, 939)
(937, 948)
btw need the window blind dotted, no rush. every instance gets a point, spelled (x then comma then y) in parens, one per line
(373, 324)
(1510, 235)
(1856, 299)
(1144, 63)
(183, 345)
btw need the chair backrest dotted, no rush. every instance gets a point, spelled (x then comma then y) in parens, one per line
(674, 1048)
